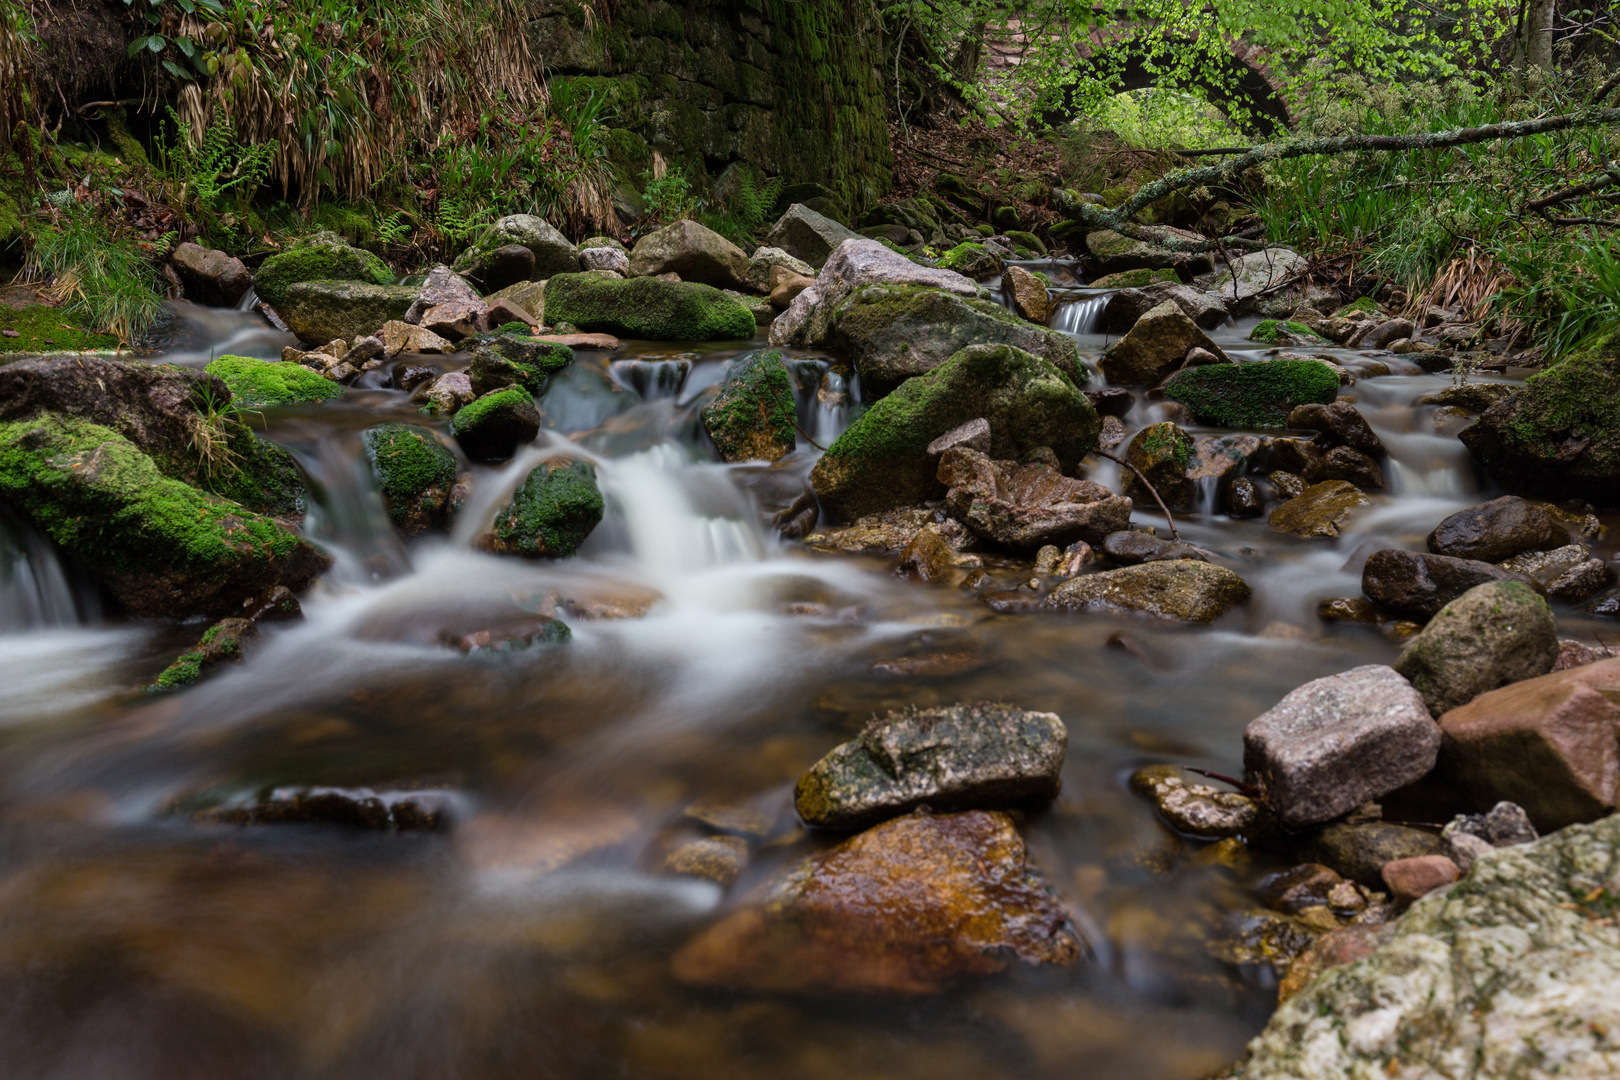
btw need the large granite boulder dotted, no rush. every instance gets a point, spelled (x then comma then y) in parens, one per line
(1156, 346)
(893, 332)
(1549, 744)
(908, 907)
(1497, 633)
(853, 264)
(323, 311)
(695, 252)
(648, 308)
(807, 235)
(1260, 394)
(752, 416)
(977, 756)
(1338, 742)
(1512, 972)
(881, 461)
(1026, 507)
(1182, 589)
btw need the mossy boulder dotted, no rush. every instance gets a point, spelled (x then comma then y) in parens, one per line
(1364, 305)
(752, 417)
(552, 252)
(551, 514)
(160, 546)
(1113, 252)
(881, 461)
(42, 329)
(415, 472)
(324, 257)
(260, 384)
(647, 308)
(221, 643)
(1163, 453)
(1027, 241)
(1136, 279)
(1279, 332)
(1494, 634)
(1253, 395)
(972, 261)
(1559, 435)
(516, 360)
(492, 427)
(895, 332)
(322, 311)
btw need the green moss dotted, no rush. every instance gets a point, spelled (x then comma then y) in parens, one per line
(1027, 240)
(1578, 396)
(1167, 441)
(752, 418)
(44, 329)
(94, 493)
(552, 513)
(1363, 305)
(186, 669)
(260, 475)
(475, 412)
(1259, 394)
(321, 261)
(1135, 279)
(647, 308)
(1275, 331)
(501, 359)
(259, 384)
(414, 471)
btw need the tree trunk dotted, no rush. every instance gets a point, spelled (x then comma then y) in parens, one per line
(1538, 34)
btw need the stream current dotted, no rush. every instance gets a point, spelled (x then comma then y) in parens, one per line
(533, 938)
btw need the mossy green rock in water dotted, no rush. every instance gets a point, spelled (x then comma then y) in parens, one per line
(980, 756)
(260, 384)
(322, 311)
(516, 360)
(492, 427)
(46, 329)
(971, 260)
(881, 461)
(220, 643)
(1162, 452)
(1276, 332)
(752, 417)
(647, 308)
(1559, 435)
(894, 332)
(160, 547)
(415, 472)
(1497, 633)
(1136, 279)
(323, 258)
(1254, 395)
(551, 514)
(1512, 972)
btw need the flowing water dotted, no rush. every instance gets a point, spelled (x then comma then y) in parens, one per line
(533, 938)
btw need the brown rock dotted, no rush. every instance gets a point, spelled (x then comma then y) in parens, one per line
(211, 277)
(1025, 507)
(783, 295)
(453, 321)
(1340, 423)
(1418, 585)
(1343, 463)
(1026, 295)
(1343, 946)
(907, 907)
(501, 311)
(398, 337)
(1163, 453)
(1497, 530)
(1413, 879)
(1321, 510)
(605, 342)
(1155, 347)
(715, 858)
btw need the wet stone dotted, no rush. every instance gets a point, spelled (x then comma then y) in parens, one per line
(714, 858)
(908, 907)
(1179, 589)
(1360, 852)
(980, 755)
(1497, 633)
(1497, 530)
(1130, 548)
(1412, 879)
(1348, 609)
(1026, 506)
(1581, 582)
(1320, 511)
(1304, 886)
(1241, 498)
(1195, 809)
(973, 435)
(1340, 424)
(360, 808)
(1343, 463)
(1409, 583)
(1287, 485)
(1112, 401)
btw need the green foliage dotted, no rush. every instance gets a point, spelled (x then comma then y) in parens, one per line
(1568, 287)
(670, 198)
(214, 178)
(99, 275)
(259, 384)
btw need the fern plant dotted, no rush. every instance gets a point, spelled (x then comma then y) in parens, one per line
(754, 199)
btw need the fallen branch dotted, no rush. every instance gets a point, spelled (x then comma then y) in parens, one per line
(1213, 152)
(1145, 483)
(807, 437)
(1118, 219)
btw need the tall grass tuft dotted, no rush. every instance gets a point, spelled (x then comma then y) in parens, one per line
(100, 278)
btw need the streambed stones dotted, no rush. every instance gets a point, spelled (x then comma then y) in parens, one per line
(974, 755)
(1182, 589)
(1497, 633)
(908, 907)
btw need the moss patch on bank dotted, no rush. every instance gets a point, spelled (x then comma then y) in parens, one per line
(44, 329)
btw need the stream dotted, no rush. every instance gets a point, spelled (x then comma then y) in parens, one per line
(533, 938)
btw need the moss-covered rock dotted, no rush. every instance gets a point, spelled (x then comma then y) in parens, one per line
(553, 254)
(160, 546)
(415, 472)
(1163, 453)
(1278, 332)
(1259, 394)
(260, 384)
(322, 311)
(894, 332)
(1494, 634)
(1364, 305)
(42, 329)
(324, 257)
(1027, 241)
(516, 360)
(1558, 436)
(752, 417)
(647, 308)
(972, 261)
(221, 643)
(1136, 279)
(551, 514)
(493, 426)
(881, 461)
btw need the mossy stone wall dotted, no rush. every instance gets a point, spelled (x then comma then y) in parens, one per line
(788, 86)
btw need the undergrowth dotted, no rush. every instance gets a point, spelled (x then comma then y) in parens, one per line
(93, 270)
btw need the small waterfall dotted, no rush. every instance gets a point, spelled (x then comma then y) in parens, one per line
(349, 517)
(651, 379)
(833, 400)
(249, 301)
(35, 590)
(1079, 316)
(1209, 490)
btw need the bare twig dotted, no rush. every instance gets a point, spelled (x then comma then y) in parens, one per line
(807, 437)
(1145, 483)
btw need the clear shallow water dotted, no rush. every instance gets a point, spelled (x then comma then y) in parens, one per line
(534, 937)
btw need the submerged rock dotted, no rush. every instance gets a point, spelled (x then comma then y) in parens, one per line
(1497, 530)
(415, 473)
(1338, 742)
(1497, 633)
(550, 514)
(1548, 744)
(752, 417)
(1026, 507)
(1409, 583)
(647, 307)
(894, 332)
(881, 461)
(907, 907)
(1182, 589)
(1516, 964)
(981, 756)
(1195, 809)
(1260, 394)
(493, 426)
(358, 808)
